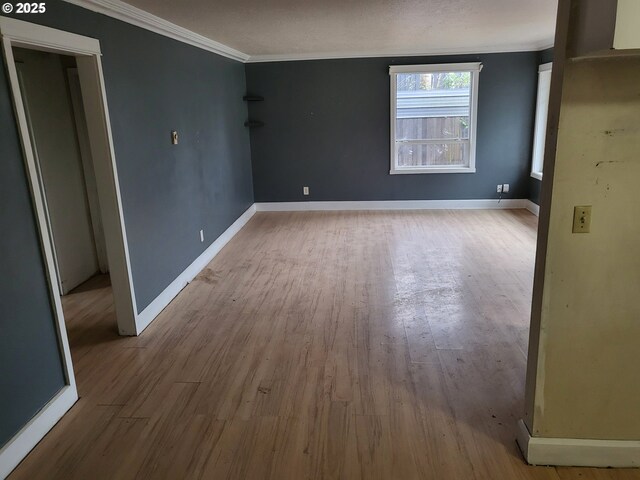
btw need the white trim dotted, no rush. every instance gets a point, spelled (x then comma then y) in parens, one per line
(544, 67)
(540, 122)
(87, 53)
(393, 110)
(110, 200)
(577, 452)
(475, 68)
(25, 34)
(436, 67)
(28, 437)
(532, 207)
(390, 205)
(168, 294)
(140, 18)
(38, 202)
(135, 16)
(292, 57)
(20, 445)
(412, 171)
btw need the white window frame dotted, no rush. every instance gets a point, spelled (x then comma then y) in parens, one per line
(540, 126)
(474, 68)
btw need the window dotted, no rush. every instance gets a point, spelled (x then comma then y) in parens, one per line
(433, 118)
(542, 109)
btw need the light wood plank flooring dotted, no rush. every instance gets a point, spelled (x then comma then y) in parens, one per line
(343, 345)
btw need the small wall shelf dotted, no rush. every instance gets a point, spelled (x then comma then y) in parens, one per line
(253, 98)
(253, 123)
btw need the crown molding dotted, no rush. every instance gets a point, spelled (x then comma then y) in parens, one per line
(135, 16)
(523, 47)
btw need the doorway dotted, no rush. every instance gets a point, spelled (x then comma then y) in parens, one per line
(54, 109)
(84, 55)
(60, 104)
(52, 98)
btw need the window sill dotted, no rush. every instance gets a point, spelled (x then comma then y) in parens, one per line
(413, 171)
(537, 175)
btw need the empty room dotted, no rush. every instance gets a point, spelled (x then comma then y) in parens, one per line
(320, 239)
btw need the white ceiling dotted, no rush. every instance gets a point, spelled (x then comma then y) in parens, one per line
(273, 29)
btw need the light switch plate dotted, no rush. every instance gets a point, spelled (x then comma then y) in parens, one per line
(582, 219)
(174, 137)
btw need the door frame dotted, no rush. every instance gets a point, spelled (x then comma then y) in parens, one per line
(17, 33)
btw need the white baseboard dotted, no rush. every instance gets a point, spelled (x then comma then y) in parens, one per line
(390, 205)
(532, 207)
(145, 317)
(575, 452)
(23, 442)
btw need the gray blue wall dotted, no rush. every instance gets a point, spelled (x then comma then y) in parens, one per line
(154, 85)
(327, 127)
(544, 56)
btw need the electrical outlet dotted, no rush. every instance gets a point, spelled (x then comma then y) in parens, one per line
(582, 219)
(201, 236)
(505, 187)
(305, 190)
(499, 189)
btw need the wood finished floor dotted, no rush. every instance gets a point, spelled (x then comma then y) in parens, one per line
(343, 345)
